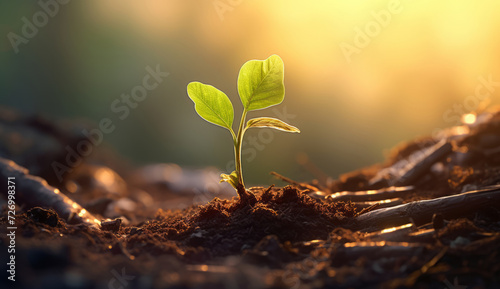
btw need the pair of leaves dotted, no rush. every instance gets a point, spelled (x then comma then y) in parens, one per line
(260, 85)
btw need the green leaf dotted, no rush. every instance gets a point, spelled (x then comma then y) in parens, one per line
(211, 104)
(271, 123)
(260, 83)
(232, 179)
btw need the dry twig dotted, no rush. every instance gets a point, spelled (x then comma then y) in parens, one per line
(32, 191)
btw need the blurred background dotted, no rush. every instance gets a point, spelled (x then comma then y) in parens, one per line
(360, 76)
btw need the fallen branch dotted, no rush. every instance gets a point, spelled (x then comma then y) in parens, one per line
(371, 195)
(380, 204)
(381, 249)
(32, 191)
(408, 171)
(421, 212)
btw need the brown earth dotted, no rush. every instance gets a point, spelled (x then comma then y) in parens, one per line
(297, 236)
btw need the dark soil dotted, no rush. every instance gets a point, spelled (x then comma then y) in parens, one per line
(225, 227)
(153, 236)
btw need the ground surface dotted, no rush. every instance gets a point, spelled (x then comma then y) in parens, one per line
(304, 235)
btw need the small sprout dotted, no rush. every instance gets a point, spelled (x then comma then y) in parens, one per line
(260, 85)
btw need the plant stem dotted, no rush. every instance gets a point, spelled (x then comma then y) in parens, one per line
(237, 148)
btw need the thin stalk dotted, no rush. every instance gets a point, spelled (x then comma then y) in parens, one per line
(233, 135)
(237, 148)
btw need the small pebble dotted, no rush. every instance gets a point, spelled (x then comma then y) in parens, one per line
(113, 225)
(40, 215)
(459, 242)
(135, 230)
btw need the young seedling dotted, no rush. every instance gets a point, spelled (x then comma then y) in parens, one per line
(260, 85)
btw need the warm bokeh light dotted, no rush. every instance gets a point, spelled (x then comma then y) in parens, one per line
(421, 66)
(469, 118)
(393, 229)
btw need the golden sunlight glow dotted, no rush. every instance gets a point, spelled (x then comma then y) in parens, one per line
(82, 212)
(389, 230)
(365, 244)
(395, 61)
(459, 130)
(469, 118)
(105, 176)
(369, 72)
(315, 241)
(377, 244)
